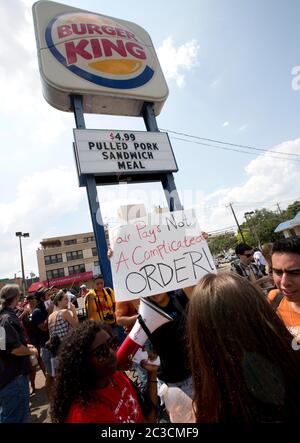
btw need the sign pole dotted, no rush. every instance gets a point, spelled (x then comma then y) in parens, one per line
(92, 195)
(167, 181)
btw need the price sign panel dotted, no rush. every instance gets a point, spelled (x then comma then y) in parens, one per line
(107, 152)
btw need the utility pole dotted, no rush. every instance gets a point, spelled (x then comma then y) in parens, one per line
(279, 209)
(239, 228)
(21, 234)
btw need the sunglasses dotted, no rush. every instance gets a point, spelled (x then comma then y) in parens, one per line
(248, 255)
(103, 351)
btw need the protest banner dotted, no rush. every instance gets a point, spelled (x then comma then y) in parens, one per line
(158, 253)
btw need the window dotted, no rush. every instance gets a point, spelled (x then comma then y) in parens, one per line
(54, 273)
(94, 251)
(76, 269)
(70, 242)
(87, 239)
(74, 255)
(55, 258)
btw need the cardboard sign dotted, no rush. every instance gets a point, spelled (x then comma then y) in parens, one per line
(158, 253)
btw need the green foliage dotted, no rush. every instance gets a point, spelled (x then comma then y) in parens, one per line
(257, 230)
(291, 211)
(262, 223)
(220, 243)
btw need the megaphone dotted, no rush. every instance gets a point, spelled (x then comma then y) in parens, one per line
(150, 318)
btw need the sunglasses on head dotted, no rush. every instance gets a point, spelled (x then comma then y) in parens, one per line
(248, 255)
(103, 351)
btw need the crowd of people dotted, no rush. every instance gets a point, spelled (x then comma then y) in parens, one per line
(233, 346)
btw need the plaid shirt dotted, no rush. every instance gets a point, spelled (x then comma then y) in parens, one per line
(246, 270)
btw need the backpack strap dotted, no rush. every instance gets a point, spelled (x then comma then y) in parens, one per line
(276, 300)
(95, 298)
(109, 292)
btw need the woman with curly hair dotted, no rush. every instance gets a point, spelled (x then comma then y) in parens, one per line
(88, 387)
(244, 367)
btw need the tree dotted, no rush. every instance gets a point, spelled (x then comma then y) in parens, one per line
(222, 242)
(290, 211)
(261, 225)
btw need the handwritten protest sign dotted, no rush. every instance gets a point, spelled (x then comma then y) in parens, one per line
(158, 253)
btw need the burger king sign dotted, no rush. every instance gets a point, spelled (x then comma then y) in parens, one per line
(110, 62)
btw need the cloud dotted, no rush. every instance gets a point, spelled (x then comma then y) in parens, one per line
(43, 196)
(225, 124)
(215, 82)
(243, 127)
(268, 180)
(176, 61)
(42, 200)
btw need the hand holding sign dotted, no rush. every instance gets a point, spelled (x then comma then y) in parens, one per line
(158, 253)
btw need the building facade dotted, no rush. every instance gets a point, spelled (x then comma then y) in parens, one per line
(68, 259)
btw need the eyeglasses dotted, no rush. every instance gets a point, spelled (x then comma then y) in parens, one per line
(103, 351)
(248, 255)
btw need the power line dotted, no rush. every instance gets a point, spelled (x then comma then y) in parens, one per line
(229, 228)
(230, 144)
(235, 150)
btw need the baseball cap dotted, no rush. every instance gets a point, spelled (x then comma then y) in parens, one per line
(82, 286)
(40, 292)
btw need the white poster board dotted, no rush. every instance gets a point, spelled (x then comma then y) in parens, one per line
(158, 253)
(108, 151)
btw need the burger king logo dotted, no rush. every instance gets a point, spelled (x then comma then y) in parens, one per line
(100, 50)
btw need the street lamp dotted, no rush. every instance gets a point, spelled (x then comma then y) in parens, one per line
(20, 234)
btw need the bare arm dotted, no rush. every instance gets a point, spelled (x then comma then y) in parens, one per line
(25, 312)
(43, 326)
(126, 321)
(24, 350)
(72, 319)
(262, 280)
(89, 306)
(152, 388)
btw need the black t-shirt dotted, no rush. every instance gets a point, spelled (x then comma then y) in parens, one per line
(39, 315)
(169, 341)
(11, 366)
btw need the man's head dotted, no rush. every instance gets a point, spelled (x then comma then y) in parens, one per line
(245, 253)
(9, 296)
(50, 291)
(286, 267)
(98, 282)
(32, 300)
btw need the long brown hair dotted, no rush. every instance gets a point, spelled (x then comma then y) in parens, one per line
(243, 365)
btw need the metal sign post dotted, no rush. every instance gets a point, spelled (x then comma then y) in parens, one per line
(92, 195)
(89, 181)
(167, 180)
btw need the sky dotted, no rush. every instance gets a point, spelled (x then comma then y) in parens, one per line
(231, 69)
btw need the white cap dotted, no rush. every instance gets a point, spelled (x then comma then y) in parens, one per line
(82, 286)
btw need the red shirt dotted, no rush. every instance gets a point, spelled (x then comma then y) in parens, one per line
(117, 403)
